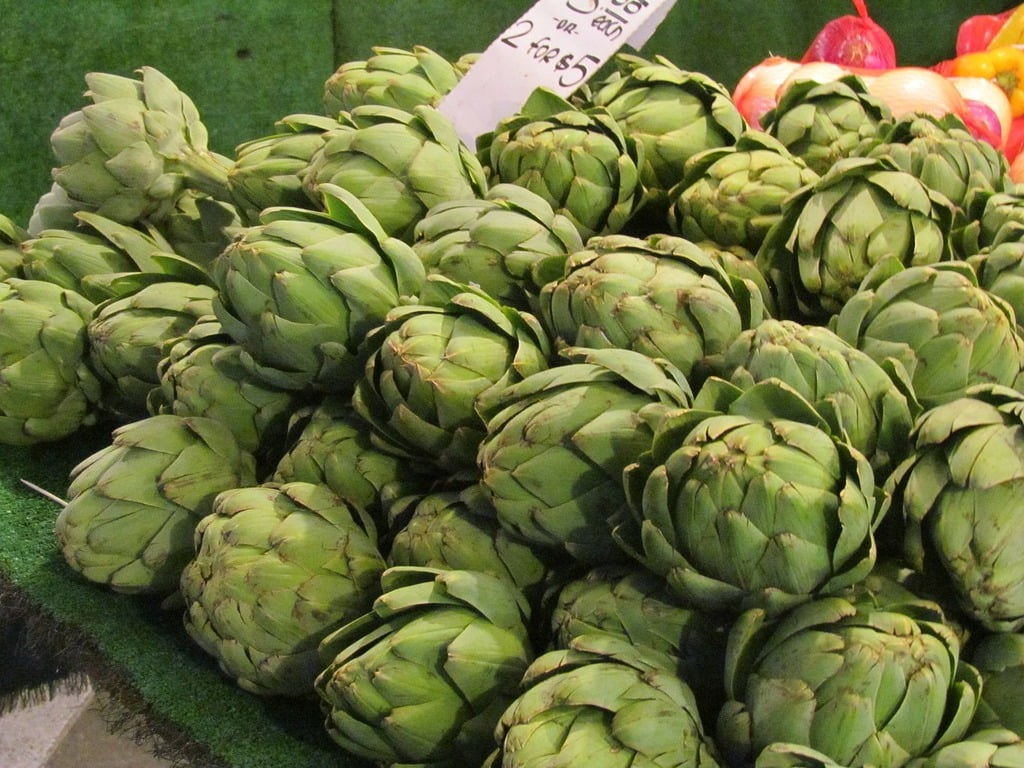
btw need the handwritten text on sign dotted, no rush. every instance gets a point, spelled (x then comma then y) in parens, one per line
(557, 44)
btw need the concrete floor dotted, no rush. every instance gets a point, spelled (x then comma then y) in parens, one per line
(70, 731)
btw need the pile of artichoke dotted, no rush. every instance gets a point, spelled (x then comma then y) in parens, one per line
(632, 436)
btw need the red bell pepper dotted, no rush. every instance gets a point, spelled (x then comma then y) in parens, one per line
(976, 32)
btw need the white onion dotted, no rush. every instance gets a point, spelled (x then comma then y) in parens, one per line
(908, 90)
(756, 92)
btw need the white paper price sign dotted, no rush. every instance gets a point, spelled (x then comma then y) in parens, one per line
(557, 44)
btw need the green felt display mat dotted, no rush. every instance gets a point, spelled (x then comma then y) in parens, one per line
(247, 63)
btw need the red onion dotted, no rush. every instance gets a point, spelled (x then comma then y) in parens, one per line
(853, 41)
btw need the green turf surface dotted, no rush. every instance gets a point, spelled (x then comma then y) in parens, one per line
(246, 63)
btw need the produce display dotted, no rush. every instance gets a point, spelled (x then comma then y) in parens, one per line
(671, 424)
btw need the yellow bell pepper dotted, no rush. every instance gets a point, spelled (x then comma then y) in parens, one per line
(1004, 66)
(1012, 30)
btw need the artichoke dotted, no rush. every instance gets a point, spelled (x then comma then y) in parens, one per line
(990, 748)
(130, 153)
(424, 676)
(432, 364)
(602, 702)
(200, 227)
(398, 163)
(860, 685)
(269, 171)
(732, 195)
(959, 492)
(993, 218)
(47, 388)
(509, 243)
(202, 374)
(663, 296)
(557, 442)
(832, 232)
(391, 77)
(457, 530)
(822, 123)
(102, 259)
(53, 210)
(999, 658)
(865, 401)
(674, 113)
(944, 155)
(329, 444)
(275, 570)
(632, 602)
(300, 290)
(129, 337)
(1000, 271)
(11, 256)
(578, 159)
(133, 505)
(937, 323)
(748, 500)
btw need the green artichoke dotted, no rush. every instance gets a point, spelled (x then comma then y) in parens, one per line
(993, 218)
(434, 362)
(860, 685)
(398, 163)
(945, 330)
(457, 530)
(832, 232)
(557, 442)
(999, 658)
(200, 227)
(11, 256)
(822, 123)
(390, 77)
(47, 388)
(1000, 271)
(202, 374)
(425, 675)
(135, 148)
(329, 444)
(944, 155)
(509, 243)
(630, 601)
(578, 159)
(602, 702)
(865, 401)
(300, 290)
(268, 171)
(740, 264)
(959, 492)
(54, 210)
(133, 506)
(663, 296)
(991, 748)
(276, 569)
(674, 113)
(102, 259)
(732, 195)
(129, 337)
(747, 499)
